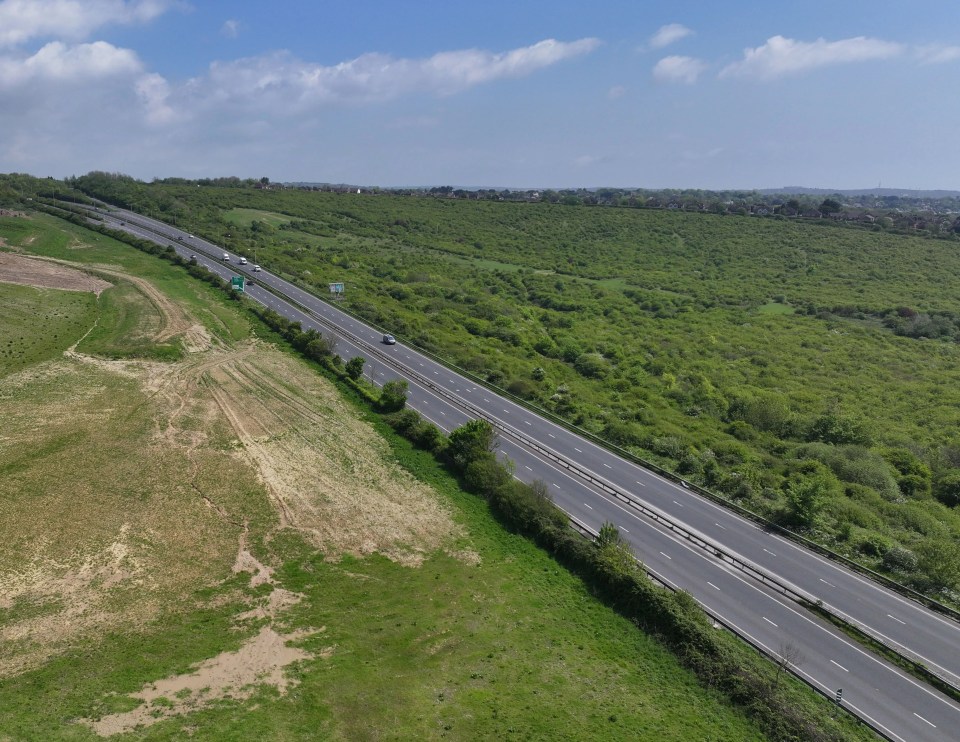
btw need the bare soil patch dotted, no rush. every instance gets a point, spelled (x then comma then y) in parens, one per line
(327, 472)
(45, 274)
(260, 661)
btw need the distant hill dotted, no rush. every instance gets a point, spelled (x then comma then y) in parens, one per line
(901, 192)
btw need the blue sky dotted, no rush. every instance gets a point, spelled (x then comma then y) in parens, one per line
(516, 94)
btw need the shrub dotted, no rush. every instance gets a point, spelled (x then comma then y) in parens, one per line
(938, 565)
(592, 366)
(899, 559)
(484, 475)
(393, 396)
(470, 442)
(354, 367)
(837, 428)
(522, 388)
(946, 488)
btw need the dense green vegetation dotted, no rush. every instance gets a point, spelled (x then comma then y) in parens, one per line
(807, 370)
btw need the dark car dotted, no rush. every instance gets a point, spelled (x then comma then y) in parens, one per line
(389, 340)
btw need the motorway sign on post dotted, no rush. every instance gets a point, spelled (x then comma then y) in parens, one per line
(336, 289)
(236, 282)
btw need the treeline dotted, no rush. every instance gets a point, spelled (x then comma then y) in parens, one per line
(903, 321)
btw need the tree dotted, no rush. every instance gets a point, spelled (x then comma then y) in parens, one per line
(830, 206)
(947, 488)
(354, 367)
(938, 564)
(788, 655)
(806, 497)
(838, 428)
(393, 396)
(609, 536)
(470, 442)
(615, 553)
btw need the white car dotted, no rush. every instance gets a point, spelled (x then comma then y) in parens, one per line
(256, 269)
(226, 256)
(243, 261)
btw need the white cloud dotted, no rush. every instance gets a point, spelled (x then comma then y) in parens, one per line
(780, 56)
(678, 69)
(669, 34)
(124, 113)
(372, 77)
(58, 62)
(230, 28)
(23, 20)
(154, 94)
(937, 53)
(617, 91)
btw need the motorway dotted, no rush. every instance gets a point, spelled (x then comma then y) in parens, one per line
(595, 486)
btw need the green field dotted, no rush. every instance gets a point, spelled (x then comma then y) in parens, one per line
(39, 324)
(757, 357)
(120, 530)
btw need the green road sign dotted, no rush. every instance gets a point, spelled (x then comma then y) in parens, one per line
(237, 283)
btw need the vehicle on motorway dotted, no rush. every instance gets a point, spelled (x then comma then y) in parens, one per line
(193, 258)
(389, 340)
(226, 256)
(180, 237)
(256, 269)
(243, 261)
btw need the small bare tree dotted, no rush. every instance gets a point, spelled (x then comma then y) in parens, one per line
(788, 655)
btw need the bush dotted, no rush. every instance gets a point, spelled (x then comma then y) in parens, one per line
(946, 488)
(354, 367)
(470, 442)
(899, 559)
(428, 437)
(854, 464)
(393, 396)
(591, 365)
(404, 420)
(938, 565)
(485, 475)
(834, 427)
(523, 388)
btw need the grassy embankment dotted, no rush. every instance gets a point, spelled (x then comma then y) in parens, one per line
(130, 497)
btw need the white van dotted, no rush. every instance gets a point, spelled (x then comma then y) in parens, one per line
(243, 261)
(226, 256)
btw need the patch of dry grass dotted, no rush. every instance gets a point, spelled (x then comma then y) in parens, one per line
(127, 485)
